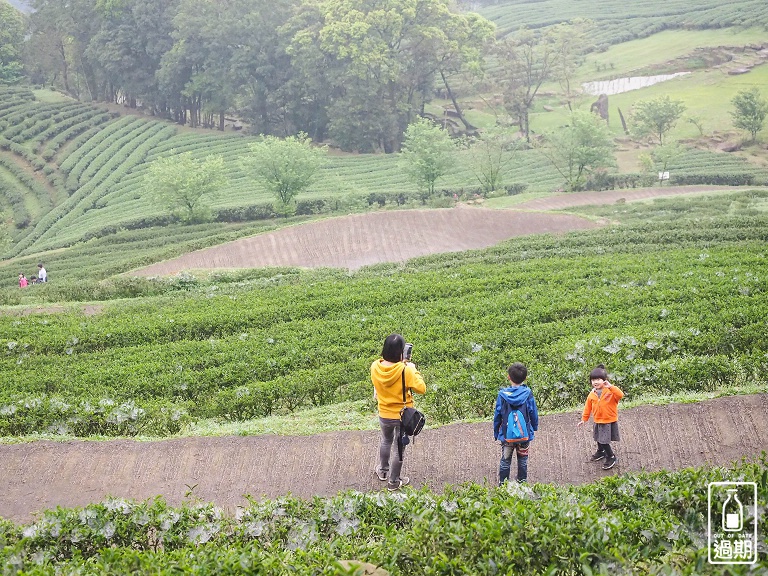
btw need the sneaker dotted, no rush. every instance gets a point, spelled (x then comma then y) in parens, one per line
(597, 456)
(382, 475)
(610, 463)
(404, 481)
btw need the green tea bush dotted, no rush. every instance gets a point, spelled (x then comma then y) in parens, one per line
(637, 298)
(642, 523)
(102, 417)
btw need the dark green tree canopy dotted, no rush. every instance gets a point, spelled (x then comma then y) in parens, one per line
(12, 29)
(355, 71)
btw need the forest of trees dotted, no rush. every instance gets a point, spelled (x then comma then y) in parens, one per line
(355, 72)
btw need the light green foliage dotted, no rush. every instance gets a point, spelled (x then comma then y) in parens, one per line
(698, 122)
(491, 155)
(427, 154)
(661, 158)
(527, 60)
(572, 42)
(640, 523)
(285, 166)
(580, 148)
(11, 42)
(247, 345)
(183, 182)
(656, 117)
(750, 111)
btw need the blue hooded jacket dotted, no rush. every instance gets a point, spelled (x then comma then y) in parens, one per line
(515, 395)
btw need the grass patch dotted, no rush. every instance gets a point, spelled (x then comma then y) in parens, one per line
(353, 415)
(51, 96)
(628, 57)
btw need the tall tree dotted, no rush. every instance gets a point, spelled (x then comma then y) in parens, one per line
(184, 183)
(309, 91)
(490, 156)
(528, 59)
(11, 43)
(285, 166)
(64, 30)
(387, 55)
(657, 116)
(427, 154)
(572, 41)
(460, 50)
(261, 68)
(750, 110)
(194, 71)
(127, 49)
(579, 148)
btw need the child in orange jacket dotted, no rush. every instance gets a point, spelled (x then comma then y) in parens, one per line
(603, 405)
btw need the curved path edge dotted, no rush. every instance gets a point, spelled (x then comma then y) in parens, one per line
(45, 474)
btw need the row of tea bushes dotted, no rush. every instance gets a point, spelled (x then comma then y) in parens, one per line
(663, 318)
(643, 523)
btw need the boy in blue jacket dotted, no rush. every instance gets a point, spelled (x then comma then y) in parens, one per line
(518, 396)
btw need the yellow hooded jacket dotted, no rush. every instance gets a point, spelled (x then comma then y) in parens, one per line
(387, 381)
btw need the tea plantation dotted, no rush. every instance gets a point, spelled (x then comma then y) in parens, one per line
(670, 294)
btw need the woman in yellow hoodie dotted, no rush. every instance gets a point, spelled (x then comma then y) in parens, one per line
(603, 404)
(389, 374)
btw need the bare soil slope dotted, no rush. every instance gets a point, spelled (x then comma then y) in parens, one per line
(44, 475)
(395, 236)
(362, 239)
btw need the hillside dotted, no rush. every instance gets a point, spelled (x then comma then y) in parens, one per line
(189, 350)
(195, 398)
(73, 175)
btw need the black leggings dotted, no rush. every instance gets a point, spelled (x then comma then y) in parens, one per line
(605, 449)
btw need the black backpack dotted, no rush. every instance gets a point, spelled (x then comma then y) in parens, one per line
(411, 423)
(411, 420)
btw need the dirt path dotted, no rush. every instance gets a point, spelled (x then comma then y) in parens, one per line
(575, 199)
(44, 475)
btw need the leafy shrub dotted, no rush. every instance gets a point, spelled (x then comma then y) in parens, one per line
(103, 417)
(641, 523)
(263, 211)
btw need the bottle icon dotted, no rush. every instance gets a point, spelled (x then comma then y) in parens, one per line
(733, 512)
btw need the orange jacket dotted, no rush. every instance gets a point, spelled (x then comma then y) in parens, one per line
(388, 383)
(604, 408)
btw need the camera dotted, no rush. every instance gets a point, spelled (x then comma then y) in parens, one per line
(407, 351)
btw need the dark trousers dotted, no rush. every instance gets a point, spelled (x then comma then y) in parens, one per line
(605, 449)
(390, 432)
(507, 450)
